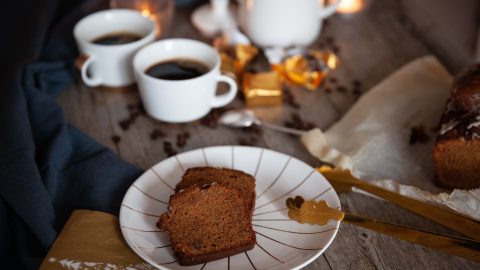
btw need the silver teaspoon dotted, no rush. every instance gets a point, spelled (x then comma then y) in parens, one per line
(245, 118)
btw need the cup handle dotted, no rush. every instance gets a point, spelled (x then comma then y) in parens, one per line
(224, 99)
(329, 10)
(82, 63)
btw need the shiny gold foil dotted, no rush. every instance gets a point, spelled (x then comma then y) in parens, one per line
(234, 58)
(262, 89)
(308, 69)
(227, 65)
(244, 53)
(311, 212)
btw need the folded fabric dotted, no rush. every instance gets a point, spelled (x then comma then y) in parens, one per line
(47, 168)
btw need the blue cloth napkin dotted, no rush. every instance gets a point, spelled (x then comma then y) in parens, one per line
(47, 168)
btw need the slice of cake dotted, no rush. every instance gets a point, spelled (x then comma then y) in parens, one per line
(231, 178)
(208, 223)
(457, 148)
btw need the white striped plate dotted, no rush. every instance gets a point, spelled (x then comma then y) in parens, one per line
(281, 243)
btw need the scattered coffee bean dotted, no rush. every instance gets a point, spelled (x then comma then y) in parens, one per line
(211, 119)
(140, 107)
(131, 107)
(243, 141)
(247, 141)
(125, 124)
(328, 89)
(157, 133)
(254, 129)
(418, 135)
(289, 99)
(333, 80)
(341, 89)
(336, 49)
(356, 92)
(330, 40)
(297, 122)
(134, 110)
(168, 149)
(116, 139)
(182, 139)
(357, 84)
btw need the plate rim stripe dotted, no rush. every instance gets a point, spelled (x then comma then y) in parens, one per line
(269, 253)
(233, 159)
(299, 185)
(275, 229)
(161, 179)
(205, 158)
(148, 195)
(276, 179)
(248, 257)
(169, 245)
(287, 244)
(168, 262)
(179, 163)
(258, 162)
(139, 230)
(138, 211)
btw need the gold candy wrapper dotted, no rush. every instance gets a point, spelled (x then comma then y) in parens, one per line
(227, 65)
(244, 53)
(234, 58)
(308, 69)
(262, 89)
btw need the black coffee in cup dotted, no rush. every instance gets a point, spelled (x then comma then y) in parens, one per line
(118, 38)
(177, 69)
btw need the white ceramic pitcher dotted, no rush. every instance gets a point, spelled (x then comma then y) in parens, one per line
(283, 23)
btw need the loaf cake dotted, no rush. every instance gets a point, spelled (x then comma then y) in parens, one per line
(457, 148)
(208, 223)
(231, 178)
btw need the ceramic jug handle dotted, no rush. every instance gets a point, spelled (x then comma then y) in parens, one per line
(329, 9)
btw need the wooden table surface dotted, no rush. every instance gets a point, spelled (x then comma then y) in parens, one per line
(371, 45)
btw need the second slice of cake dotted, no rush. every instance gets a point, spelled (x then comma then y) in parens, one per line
(201, 176)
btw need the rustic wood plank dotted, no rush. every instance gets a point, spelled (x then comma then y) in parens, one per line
(388, 252)
(372, 45)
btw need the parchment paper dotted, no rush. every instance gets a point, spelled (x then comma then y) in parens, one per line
(373, 137)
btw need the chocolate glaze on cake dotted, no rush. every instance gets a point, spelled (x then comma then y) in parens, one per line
(459, 124)
(457, 149)
(466, 90)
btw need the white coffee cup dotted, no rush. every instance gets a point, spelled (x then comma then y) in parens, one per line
(181, 100)
(110, 65)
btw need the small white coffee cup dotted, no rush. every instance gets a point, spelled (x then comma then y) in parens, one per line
(110, 65)
(181, 100)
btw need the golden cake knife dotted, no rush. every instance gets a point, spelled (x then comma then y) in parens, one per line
(343, 180)
(319, 213)
(458, 246)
